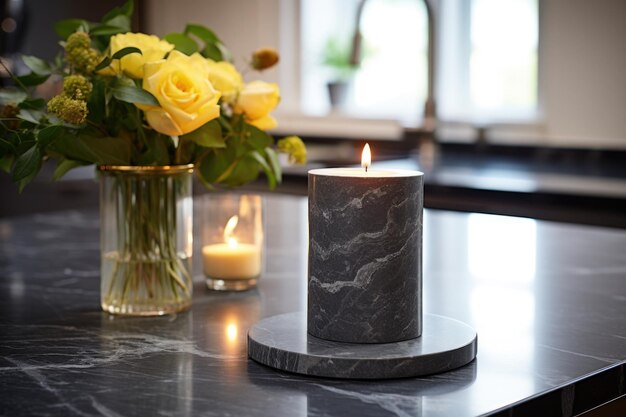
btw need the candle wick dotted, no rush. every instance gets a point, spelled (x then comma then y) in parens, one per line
(365, 168)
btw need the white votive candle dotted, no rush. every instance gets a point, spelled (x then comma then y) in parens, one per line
(232, 260)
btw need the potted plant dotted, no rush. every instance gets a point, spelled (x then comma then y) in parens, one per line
(336, 58)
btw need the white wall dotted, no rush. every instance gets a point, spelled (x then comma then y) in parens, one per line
(584, 71)
(582, 53)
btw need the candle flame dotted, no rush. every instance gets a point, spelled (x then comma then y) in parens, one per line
(366, 157)
(228, 230)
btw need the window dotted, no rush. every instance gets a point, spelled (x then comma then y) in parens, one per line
(488, 67)
(486, 59)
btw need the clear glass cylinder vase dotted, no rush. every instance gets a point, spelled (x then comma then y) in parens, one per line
(146, 215)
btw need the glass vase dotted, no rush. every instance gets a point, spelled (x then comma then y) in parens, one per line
(146, 215)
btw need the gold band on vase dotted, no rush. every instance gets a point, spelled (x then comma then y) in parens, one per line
(147, 169)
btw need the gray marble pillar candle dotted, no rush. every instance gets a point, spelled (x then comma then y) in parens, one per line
(365, 255)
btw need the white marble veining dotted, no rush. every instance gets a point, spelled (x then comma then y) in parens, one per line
(282, 342)
(398, 404)
(364, 258)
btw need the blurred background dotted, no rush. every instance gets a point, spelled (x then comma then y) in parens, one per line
(508, 106)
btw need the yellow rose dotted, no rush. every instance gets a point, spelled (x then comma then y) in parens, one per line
(256, 100)
(225, 78)
(152, 49)
(182, 87)
(264, 123)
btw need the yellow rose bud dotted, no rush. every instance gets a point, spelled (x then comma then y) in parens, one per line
(225, 78)
(264, 58)
(152, 49)
(182, 87)
(264, 123)
(257, 99)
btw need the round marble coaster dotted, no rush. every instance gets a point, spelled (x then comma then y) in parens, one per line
(282, 342)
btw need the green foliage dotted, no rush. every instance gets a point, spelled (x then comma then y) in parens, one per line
(65, 28)
(32, 79)
(209, 135)
(135, 95)
(93, 150)
(33, 104)
(337, 57)
(247, 149)
(63, 167)
(38, 66)
(27, 164)
(30, 116)
(48, 134)
(118, 55)
(12, 96)
(118, 20)
(197, 38)
(183, 43)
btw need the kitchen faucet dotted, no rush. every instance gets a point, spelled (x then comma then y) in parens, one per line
(429, 122)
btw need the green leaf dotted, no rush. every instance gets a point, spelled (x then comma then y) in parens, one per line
(63, 166)
(12, 96)
(6, 162)
(103, 64)
(187, 151)
(125, 10)
(269, 173)
(272, 157)
(246, 170)
(121, 21)
(128, 8)
(32, 79)
(96, 104)
(6, 146)
(135, 95)
(205, 34)
(101, 30)
(118, 55)
(157, 152)
(27, 164)
(33, 104)
(65, 28)
(38, 66)
(125, 51)
(87, 149)
(59, 62)
(208, 135)
(226, 55)
(48, 134)
(212, 51)
(214, 165)
(183, 43)
(32, 116)
(225, 124)
(257, 138)
(20, 138)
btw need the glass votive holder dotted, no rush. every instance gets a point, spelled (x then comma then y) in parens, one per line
(232, 241)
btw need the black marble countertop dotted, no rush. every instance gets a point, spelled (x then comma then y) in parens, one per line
(548, 301)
